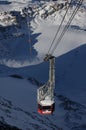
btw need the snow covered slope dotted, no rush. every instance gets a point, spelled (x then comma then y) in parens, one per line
(22, 72)
(19, 108)
(14, 36)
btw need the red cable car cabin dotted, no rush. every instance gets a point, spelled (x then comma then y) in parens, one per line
(46, 106)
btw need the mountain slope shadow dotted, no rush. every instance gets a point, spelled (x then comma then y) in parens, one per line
(71, 73)
(15, 46)
(4, 2)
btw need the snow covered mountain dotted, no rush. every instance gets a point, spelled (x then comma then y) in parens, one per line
(22, 69)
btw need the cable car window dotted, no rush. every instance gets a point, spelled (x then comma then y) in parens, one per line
(46, 107)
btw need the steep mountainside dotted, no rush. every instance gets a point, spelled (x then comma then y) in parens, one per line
(27, 29)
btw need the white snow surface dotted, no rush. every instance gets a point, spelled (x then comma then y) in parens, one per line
(45, 30)
(20, 94)
(70, 89)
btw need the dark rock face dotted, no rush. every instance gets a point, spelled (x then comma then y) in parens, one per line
(4, 126)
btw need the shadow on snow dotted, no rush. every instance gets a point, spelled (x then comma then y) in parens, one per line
(70, 68)
(4, 2)
(15, 40)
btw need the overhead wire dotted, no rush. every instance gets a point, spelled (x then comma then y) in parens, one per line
(30, 48)
(59, 26)
(29, 32)
(67, 25)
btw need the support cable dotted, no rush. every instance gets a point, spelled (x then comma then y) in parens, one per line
(29, 32)
(30, 48)
(67, 25)
(59, 26)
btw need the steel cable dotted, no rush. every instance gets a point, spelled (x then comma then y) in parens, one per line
(59, 26)
(67, 25)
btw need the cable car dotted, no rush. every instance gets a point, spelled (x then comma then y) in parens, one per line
(46, 107)
(45, 93)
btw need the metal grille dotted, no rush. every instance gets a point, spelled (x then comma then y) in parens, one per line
(48, 88)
